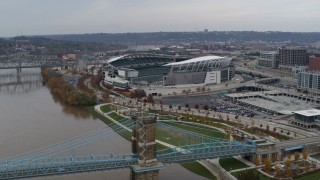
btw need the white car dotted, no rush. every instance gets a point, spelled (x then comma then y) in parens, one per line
(61, 170)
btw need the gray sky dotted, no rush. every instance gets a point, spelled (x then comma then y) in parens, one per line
(37, 17)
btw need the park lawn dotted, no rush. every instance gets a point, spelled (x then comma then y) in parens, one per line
(316, 156)
(167, 117)
(116, 117)
(261, 176)
(231, 164)
(168, 136)
(315, 176)
(197, 168)
(106, 108)
(153, 111)
(259, 132)
(123, 133)
(198, 129)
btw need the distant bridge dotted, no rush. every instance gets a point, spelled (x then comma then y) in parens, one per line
(24, 61)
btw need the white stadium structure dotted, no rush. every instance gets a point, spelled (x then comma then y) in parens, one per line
(202, 70)
(154, 68)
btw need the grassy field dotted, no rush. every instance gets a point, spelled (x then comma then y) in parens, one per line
(125, 134)
(262, 132)
(317, 156)
(198, 129)
(315, 176)
(106, 108)
(116, 117)
(197, 168)
(261, 177)
(231, 164)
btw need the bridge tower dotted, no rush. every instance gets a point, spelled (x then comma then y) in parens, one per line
(144, 145)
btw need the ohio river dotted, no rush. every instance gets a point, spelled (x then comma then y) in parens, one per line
(31, 118)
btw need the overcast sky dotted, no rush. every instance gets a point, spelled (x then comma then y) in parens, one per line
(38, 17)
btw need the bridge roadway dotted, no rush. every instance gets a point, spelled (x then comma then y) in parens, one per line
(296, 142)
(68, 165)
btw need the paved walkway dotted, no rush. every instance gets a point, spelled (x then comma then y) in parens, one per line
(210, 168)
(222, 173)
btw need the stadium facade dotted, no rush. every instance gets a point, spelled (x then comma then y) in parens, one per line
(137, 69)
(171, 70)
(202, 70)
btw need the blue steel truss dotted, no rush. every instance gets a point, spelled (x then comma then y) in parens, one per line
(67, 165)
(35, 164)
(205, 151)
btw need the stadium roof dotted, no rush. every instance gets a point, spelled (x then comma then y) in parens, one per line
(113, 59)
(116, 58)
(198, 59)
(310, 112)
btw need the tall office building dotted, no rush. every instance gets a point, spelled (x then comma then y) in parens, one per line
(291, 58)
(309, 80)
(269, 59)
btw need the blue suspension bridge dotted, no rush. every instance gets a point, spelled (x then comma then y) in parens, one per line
(145, 160)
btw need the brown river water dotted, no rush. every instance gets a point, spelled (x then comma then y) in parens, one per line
(31, 118)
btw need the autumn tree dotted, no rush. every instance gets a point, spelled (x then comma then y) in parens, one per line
(305, 157)
(277, 168)
(186, 117)
(206, 107)
(186, 105)
(287, 163)
(139, 93)
(203, 89)
(248, 174)
(257, 161)
(150, 98)
(288, 171)
(296, 156)
(105, 97)
(267, 164)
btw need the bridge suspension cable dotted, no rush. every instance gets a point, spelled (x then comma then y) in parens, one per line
(18, 162)
(64, 146)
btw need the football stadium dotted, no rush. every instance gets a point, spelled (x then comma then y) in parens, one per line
(169, 70)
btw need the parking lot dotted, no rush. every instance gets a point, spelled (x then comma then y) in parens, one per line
(215, 103)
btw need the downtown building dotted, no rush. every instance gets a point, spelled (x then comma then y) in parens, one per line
(309, 80)
(269, 59)
(293, 59)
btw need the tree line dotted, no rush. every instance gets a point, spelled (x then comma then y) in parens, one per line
(65, 91)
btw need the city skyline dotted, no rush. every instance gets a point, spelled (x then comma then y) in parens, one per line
(35, 17)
